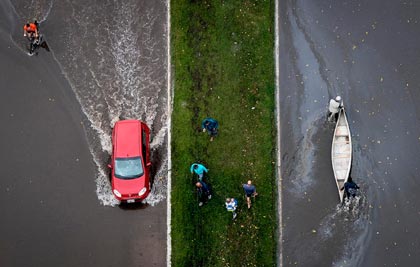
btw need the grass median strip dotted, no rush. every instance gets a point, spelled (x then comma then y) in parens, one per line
(222, 55)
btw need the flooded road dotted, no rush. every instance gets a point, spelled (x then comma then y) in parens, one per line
(114, 55)
(366, 52)
(107, 61)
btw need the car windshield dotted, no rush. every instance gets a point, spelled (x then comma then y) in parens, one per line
(128, 168)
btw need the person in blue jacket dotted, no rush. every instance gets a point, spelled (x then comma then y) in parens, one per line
(211, 126)
(198, 169)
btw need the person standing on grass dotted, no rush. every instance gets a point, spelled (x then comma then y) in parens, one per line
(210, 125)
(250, 191)
(198, 169)
(231, 205)
(203, 192)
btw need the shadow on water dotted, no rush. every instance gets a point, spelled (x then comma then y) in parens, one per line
(37, 45)
(133, 206)
(156, 159)
(310, 154)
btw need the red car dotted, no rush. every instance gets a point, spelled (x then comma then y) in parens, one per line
(130, 162)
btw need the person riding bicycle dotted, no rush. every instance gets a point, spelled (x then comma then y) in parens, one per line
(30, 30)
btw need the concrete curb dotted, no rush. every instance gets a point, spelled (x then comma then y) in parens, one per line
(278, 143)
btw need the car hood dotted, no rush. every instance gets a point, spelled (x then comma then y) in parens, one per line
(131, 186)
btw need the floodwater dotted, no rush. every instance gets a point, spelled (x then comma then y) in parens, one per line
(368, 53)
(113, 53)
(107, 61)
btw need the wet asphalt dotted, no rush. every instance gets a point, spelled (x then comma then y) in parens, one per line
(50, 214)
(368, 53)
(365, 51)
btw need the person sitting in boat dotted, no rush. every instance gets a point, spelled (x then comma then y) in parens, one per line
(350, 188)
(334, 107)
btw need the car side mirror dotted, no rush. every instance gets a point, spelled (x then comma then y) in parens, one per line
(149, 164)
(110, 166)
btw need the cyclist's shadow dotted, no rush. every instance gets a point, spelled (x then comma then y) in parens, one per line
(35, 44)
(44, 45)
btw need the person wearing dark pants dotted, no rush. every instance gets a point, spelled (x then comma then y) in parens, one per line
(203, 192)
(350, 188)
(334, 108)
(250, 191)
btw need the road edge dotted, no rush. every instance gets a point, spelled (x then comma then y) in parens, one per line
(170, 93)
(278, 143)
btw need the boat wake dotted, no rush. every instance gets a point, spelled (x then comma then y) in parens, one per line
(305, 157)
(348, 222)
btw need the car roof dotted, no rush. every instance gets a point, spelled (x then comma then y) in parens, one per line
(127, 134)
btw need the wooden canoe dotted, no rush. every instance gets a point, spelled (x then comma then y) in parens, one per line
(341, 152)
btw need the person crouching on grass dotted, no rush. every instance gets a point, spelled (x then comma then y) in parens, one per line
(210, 125)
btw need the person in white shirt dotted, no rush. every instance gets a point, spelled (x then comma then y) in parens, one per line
(334, 107)
(231, 205)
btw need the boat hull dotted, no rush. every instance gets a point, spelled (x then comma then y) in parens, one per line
(341, 152)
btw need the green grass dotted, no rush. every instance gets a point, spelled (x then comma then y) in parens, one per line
(223, 62)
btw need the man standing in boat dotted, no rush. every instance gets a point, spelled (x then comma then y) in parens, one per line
(334, 108)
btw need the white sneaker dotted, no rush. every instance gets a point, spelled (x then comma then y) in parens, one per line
(209, 196)
(234, 216)
(200, 204)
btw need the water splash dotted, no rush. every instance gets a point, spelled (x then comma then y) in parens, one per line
(36, 10)
(118, 72)
(349, 219)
